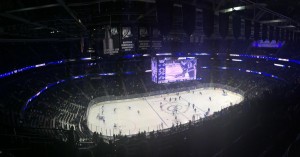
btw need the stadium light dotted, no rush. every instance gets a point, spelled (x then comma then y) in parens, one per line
(235, 55)
(86, 58)
(238, 8)
(237, 60)
(242, 7)
(40, 65)
(283, 59)
(163, 54)
(287, 26)
(278, 65)
(200, 54)
(273, 21)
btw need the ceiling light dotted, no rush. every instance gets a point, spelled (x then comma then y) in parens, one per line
(287, 26)
(274, 21)
(233, 9)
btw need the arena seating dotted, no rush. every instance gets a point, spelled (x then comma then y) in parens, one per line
(262, 125)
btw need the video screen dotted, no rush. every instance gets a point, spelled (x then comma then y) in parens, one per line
(267, 44)
(154, 69)
(172, 69)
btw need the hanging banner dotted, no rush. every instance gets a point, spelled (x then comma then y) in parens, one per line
(111, 42)
(156, 40)
(81, 44)
(144, 40)
(127, 44)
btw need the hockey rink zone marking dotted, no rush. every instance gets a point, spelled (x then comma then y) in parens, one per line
(130, 116)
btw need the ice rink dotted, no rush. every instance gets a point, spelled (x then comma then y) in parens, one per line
(130, 116)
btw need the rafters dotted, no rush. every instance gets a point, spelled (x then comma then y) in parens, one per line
(71, 18)
(70, 12)
(13, 17)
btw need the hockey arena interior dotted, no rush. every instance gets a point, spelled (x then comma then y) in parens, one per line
(149, 78)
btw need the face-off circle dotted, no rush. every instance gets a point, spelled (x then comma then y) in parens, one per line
(174, 107)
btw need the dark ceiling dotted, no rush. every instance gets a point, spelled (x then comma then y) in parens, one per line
(44, 19)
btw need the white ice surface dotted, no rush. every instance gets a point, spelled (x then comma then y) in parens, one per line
(152, 116)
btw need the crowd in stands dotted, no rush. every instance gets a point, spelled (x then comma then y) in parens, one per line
(265, 124)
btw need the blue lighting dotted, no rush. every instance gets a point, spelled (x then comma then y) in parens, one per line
(279, 65)
(86, 58)
(29, 68)
(145, 55)
(16, 71)
(163, 54)
(200, 54)
(237, 60)
(234, 55)
(49, 86)
(129, 56)
(267, 44)
(129, 72)
(107, 74)
(110, 74)
(180, 54)
(223, 68)
(78, 77)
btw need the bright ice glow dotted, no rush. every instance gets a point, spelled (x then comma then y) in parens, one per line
(154, 113)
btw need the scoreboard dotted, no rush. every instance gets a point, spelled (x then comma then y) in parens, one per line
(173, 69)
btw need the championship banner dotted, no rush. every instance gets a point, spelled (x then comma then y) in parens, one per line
(156, 39)
(111, 42)
(144, 40)
(127, 44)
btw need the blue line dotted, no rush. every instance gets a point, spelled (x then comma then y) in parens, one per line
(156, 112)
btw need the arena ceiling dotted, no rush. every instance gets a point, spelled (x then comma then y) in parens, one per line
(48, 19)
